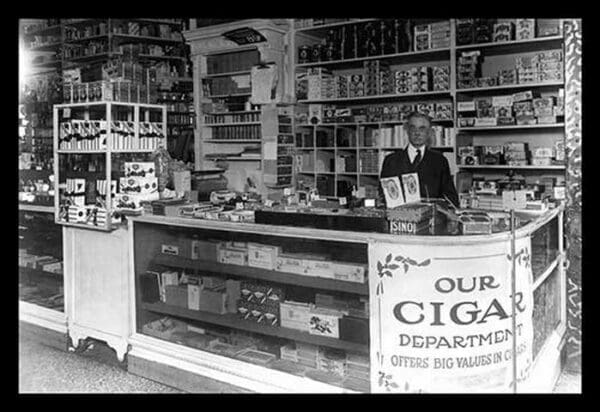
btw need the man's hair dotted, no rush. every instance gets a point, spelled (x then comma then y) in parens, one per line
(418, 114)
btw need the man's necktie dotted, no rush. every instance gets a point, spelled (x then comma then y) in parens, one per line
(417, 158)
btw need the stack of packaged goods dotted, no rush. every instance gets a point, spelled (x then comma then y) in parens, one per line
(422, 37)
(504, 30)
(357, 371)
(469, 69)
(515, 153)
(331, 361)
(402, 81)
(548, 27)
(340, 86)
(541, 156)
(320, 83)
(524, 29)
(483, 30)
(356, 86)
(441, 78)
(139, 184)
(464, 32)
(368, 161)
(440, 34)
(307, 354)
(523, 108)
(295, 315)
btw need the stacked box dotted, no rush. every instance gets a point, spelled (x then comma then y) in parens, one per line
(232, 256)
(542, 156)
(422, 37)
(357, 366)
(441, 78)
(307, 354)
(464, 32)
(549, 66)
(483, 30)
(331, 361)
(368, 161)
(504, 31)
(289, 352)
(403, 82)
(507, 77)
(320, 82)
(515, 153)
(301, 86)
(372, 70)
(341, 86)
(525, 29)
(422, 79)
(387, 81)
(356, 86)
(469, 69)
(440, 34)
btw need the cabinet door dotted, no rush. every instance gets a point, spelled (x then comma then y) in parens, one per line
(96, 279)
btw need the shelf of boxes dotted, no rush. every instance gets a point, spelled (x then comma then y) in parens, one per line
(550, 167)
(396, 58)
(514, 46)
(330, 25)
(46, 47)
(380, 97)
(513, 127)
(230, 124)
(264, 274)
(232, 141)
(36, 208)
(233, 321)
(511, 87)
(238, 73)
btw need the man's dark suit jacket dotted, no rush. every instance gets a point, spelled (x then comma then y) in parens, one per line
(435, 180)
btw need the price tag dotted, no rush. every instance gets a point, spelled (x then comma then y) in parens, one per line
(369, 202)
(287, 191)
(67, 113)
(342, 201)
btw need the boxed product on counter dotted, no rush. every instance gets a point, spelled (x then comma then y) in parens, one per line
(163, 328)
(319, 268)
(255, 356)
(290, 263)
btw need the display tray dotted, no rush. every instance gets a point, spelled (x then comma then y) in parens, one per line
(323, 221)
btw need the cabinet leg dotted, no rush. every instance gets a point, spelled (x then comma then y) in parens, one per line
(120, 346)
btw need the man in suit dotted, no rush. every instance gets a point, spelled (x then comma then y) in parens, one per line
(435, 180)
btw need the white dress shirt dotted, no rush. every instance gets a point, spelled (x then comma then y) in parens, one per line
(412, 152)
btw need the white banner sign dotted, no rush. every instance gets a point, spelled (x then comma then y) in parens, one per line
(441, 317)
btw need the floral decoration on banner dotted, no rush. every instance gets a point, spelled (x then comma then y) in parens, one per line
(386, 381)
(522, 258)
(386, 268)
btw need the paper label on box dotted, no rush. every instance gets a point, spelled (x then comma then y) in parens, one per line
(170, 250)
(194, 297)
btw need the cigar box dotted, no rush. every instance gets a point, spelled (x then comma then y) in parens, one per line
(546, 120)
(193, 296)
(506, 121)
(198, 340)
(163, 328)
(255, 356)
(466, 106)
(522, 96)
(526, 120)
(294, 315)
(319, 268)
(349, 272)
(354, 329)
(543, 111)
(473, 223)
(499, 101)
(212, 282)
(213, 301)
(232, 256)
(233, 292)
(485, 121)
(515, 146)
(503, 111)
(223, 348)
(262, 256)
(548, 27)
(176, 295)
(541, 161)
(323, 323)
(290, 264)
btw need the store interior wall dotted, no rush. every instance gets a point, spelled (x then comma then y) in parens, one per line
(573, 56)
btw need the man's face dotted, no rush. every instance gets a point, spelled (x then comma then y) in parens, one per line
(418, 129)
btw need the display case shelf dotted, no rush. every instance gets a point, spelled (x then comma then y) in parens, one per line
(232, 141)
(46, 47)
(515, 46)
(329, 25)
(222, 96)
(264, 274)
(510, 87)
(380, 97)
(234, 322)
(397, 58)
(551, 167)
(146, 39)
(36, 208)
(225, 74)
(46, 31)
(512, 127)
(230, 124)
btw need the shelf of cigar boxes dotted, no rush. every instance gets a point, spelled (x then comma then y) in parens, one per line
(515, 46)
(512, 127)
(394, 96)
(264, 274)
(234, 321)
